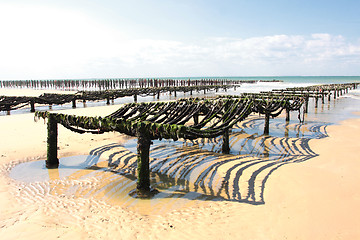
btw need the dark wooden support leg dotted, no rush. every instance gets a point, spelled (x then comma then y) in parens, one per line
(108, 100)
(287, 119)
(196, 119)
(52, 161)
(135, 97)
(8, 109)
(74, 103)
(267, 123)
(32, 105)
(306, 104)
(143, 149)
(226, 144)
(158, 95)
(316, 102)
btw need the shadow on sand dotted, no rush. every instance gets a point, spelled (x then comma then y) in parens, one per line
(197, 169)
(188, 170)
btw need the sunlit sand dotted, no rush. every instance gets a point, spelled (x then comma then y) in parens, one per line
(298, 182)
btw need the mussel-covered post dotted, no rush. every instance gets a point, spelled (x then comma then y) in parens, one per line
(196, 119)
(287, 117)
(52, 161)
(306, 104)
(8, 109)
(73, 103)
(226, 145)
(267, 123)
(32, 105)
(143, 149)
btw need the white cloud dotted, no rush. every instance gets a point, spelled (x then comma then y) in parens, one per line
(39, 42)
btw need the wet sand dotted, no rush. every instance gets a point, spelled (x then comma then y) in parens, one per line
(312, 199)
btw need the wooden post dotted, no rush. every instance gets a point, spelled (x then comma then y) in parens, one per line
(107, 100)
(196, 119)
(74, 103)
(267, 123)
(143, 150)
(52, 161)
(329, 96)
(32, 105)
(8, 109)
(316, 101)
(226, 145)
(158, 95)
(135, 97)
(306, 104)
(287, 119)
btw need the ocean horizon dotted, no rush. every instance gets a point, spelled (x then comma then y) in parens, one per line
(290, 79)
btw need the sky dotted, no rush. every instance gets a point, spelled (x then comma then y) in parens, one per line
(69, 39)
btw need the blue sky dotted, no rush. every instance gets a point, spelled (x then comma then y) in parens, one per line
(159, 38)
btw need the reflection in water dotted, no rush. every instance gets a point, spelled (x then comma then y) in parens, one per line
(183, 171)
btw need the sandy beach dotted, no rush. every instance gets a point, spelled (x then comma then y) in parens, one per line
(313, 199)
